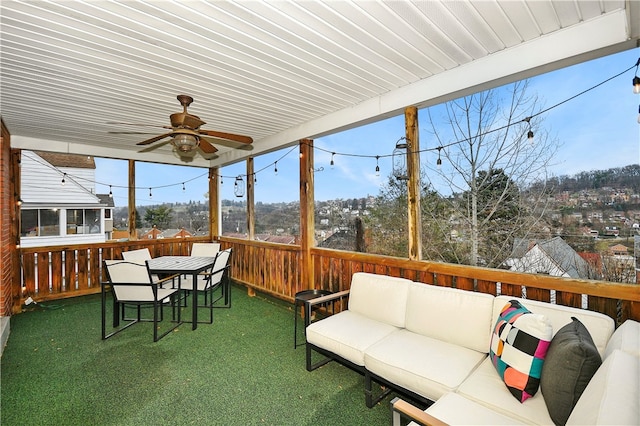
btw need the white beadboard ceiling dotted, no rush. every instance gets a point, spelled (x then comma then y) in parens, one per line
(277, 71)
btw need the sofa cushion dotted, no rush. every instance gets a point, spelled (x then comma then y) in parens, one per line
(347, 334)
(455, 409)
(626, 338)
(518, 347)
(611, 397)
(452, 315)
(600, 326)
(486, 387)
(424, 365)
(572, 359)
(379, 297)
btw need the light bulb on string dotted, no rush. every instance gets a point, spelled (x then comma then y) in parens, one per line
(110, 192)
(636, 85)
(183, 187)
(377, 166)
(275, 168)
(332, 154)
(150, 195)
(638, 114)
(64, 175)
(439, 161)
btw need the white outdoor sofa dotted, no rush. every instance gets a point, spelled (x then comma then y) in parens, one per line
(431, 344)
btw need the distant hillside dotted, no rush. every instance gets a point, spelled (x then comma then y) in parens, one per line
(619, 177)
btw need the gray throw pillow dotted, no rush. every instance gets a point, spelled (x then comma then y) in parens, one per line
(571, 361)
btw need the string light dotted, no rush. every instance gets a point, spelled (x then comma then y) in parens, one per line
(275, 168)
(530, 132)
(183, 187)
(636, 80)
(530, 135)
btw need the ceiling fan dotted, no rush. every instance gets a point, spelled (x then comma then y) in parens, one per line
(187, 137)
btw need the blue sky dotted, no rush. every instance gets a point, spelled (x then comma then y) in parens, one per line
(597, 130)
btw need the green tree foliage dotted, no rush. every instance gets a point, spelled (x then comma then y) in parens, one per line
(160, 217)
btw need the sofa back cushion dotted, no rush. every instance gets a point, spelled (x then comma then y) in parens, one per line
(379, 297)
(611, 397)
(455, 316)
(600, 326)
(626, 338)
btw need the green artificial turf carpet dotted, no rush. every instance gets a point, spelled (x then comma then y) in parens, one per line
(240, 370)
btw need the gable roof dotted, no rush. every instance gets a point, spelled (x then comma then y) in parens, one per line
(563, 256)
(58, 159)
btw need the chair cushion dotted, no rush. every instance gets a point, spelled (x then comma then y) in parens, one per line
(611, 397)
(600, 326)
(455, 409)
(424, 365)
(452, 315)
(347, 334)
(486, 387)
(626, 338)
(518, 347)
(379, 297)
(571, 361)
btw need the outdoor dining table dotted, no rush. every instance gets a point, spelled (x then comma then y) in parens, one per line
(182, 265)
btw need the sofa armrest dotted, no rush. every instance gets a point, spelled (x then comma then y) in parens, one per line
(328, 298)
(400, 408)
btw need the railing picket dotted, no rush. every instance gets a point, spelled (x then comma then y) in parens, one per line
(70, 270)
(42, 275)
(56, 272)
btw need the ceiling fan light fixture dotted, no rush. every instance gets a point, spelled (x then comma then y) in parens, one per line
(185, 144)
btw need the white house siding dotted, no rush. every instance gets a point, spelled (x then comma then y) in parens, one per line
(41, 183)
(41, 188)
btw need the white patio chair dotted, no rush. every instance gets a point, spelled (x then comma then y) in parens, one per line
(205, 249)
(141, 256)
(131, 284)
(209, 281)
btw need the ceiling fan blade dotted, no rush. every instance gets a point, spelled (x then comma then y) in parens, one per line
(155, 138)
(156, 146)
(138, 124)
(131, 133)
(206, 147)
(229, 136)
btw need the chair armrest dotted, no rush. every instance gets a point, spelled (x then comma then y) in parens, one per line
(328, 298)
(402, 407)
(167, 278)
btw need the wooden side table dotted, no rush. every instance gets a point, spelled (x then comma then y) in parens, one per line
(301, 299)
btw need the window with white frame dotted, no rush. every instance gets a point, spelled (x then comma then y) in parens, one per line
(40, 222)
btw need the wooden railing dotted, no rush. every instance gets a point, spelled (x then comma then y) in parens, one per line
(56, 272)
(275, 269)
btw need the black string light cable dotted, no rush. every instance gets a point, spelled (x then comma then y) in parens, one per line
(378, 156)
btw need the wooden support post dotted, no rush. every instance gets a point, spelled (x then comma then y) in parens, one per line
(133, 232)
(413, 170)
(307, 217)
(251, 208)
(214, 203)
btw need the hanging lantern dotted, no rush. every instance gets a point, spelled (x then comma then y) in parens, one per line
(238, 187)
(400, 160)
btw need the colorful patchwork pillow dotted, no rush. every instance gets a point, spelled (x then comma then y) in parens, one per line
(519, 345)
